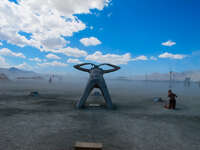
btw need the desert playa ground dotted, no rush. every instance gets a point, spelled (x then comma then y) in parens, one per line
(51, 122)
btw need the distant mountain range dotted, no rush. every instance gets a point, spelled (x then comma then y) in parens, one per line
(13, 73)
(177, 76)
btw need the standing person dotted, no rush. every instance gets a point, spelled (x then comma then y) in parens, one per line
(50, 79)
(172, 100)
(96, 80)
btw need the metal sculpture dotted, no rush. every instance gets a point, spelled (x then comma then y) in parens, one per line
(96, 80)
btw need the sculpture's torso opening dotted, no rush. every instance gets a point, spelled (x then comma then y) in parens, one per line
(96, 74)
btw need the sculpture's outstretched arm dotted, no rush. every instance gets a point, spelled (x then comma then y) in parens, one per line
(115, 68)
(81, 68)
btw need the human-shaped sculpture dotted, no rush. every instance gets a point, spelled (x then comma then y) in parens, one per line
(96, 80)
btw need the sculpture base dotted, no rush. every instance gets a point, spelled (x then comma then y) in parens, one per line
(94, 106)
(88, 146)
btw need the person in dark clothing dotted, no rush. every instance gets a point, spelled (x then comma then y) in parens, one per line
(172, 100)
(50, 79)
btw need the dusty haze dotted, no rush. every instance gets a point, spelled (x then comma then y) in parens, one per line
(50, 120)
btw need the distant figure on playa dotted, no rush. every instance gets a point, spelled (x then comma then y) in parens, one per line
(50, 79)
(187, 82)
(172, 100)
(96, 80)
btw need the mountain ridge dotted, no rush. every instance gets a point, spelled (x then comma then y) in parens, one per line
(13, 72)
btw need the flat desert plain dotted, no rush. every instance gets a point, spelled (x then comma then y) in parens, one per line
(50, 120)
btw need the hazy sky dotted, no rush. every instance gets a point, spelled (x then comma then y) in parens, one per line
(139, 35)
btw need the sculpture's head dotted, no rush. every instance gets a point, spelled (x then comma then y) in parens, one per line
(95, 66)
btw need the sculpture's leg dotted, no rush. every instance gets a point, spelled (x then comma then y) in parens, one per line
(88, 89)
(105, 92)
